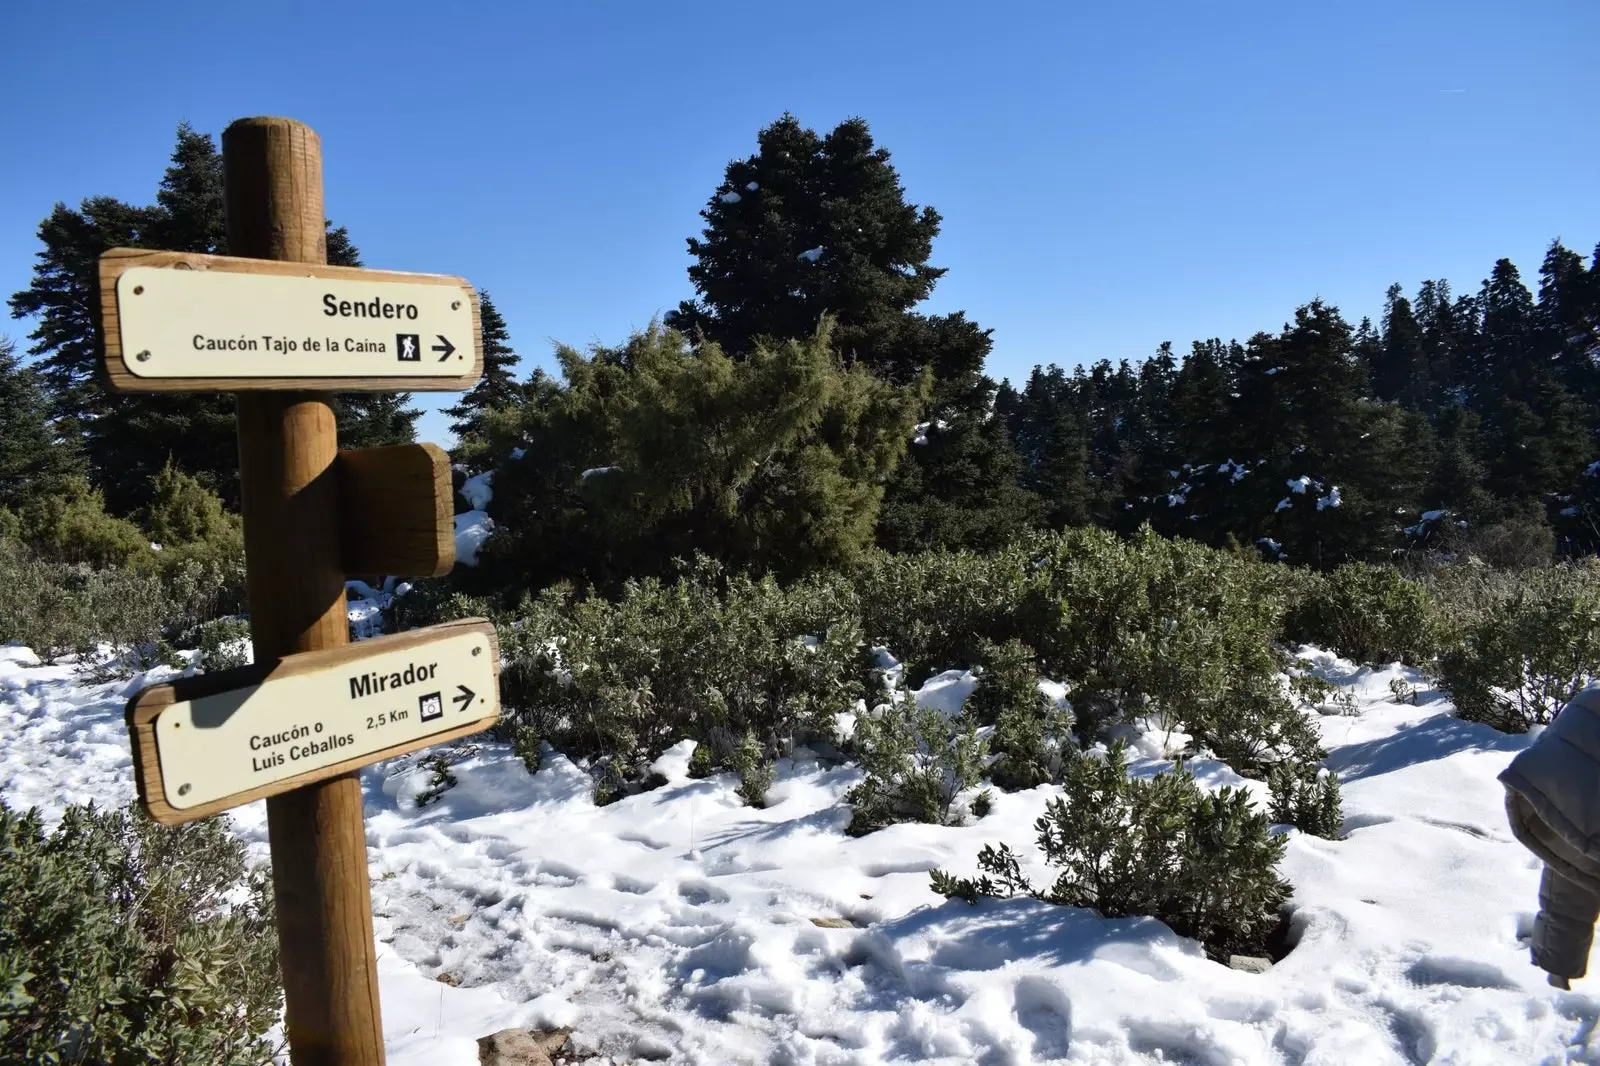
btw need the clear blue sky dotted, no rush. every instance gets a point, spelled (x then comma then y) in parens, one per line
(1111, 175)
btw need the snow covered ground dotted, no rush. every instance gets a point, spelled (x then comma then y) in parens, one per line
(682, 926)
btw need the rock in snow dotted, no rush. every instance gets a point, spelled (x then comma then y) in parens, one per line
(520, 1047)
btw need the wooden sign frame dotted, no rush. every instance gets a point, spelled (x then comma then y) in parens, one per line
(144, 708)
(119, 377)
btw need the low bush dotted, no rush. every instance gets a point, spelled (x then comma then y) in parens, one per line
(937, 610)
(751, 762)
(59, 608)
(1203, 863)
(1030, 729)
(72, 526)
(1256, 726)
(115, 619)
(1369, 613)
(710, 657)
(224, 643)
(129, 944)
(1306, 796)
(431, 602)
(1147, 626)
(1524, 644)
(916, 764)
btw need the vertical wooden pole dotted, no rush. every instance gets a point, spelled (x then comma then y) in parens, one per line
(287, 445)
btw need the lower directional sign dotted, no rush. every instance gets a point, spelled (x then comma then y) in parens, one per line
(205, 744)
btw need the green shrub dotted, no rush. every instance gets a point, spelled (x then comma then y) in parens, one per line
(710, 657)
(441, 778)
(526, 744)
(916, 763)
(1525, 643)
(59, 608)
(429, 603)
(127, 944)
(700, 764)
(1030, 730)
(1203, 863)
(1167, 629)
(1255, 726)
(183, 511)
(1368, 613)
(1306, 796)
(224, 643)
(936, 611)
(73, 527)
(754, 768)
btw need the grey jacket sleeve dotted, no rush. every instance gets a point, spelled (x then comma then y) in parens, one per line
(1553, 805)
(1564, 930)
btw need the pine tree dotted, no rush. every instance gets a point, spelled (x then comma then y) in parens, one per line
(1568, 321)
(812, 225)
(1400, 369)
(1508, 361)
(33, 460)
(128, 439)
(497, 390)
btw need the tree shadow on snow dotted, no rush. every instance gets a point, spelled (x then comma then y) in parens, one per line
(1425, 741)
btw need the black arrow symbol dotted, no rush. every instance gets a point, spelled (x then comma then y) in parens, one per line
(444, 346)
(465, 699)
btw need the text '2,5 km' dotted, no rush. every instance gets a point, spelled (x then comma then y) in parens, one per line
(215, 741)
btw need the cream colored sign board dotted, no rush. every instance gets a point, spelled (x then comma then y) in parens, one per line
(238, 741)
(220, 324)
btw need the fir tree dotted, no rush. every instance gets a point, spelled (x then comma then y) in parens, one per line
(33, 460)
(1400, 368)
(497, 390)
(128, 439)
(1508, 362)
(1568, 321)
(820, 224)
(812, 225)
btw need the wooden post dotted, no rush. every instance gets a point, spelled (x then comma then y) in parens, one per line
(287, 447)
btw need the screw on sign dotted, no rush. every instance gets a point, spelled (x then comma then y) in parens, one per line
(283, 330)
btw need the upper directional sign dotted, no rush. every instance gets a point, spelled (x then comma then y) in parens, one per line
(176, 322)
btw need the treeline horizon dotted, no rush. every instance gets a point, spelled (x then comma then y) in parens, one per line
(1456, 421)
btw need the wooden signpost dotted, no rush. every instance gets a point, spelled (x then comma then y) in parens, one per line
(280, 328)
